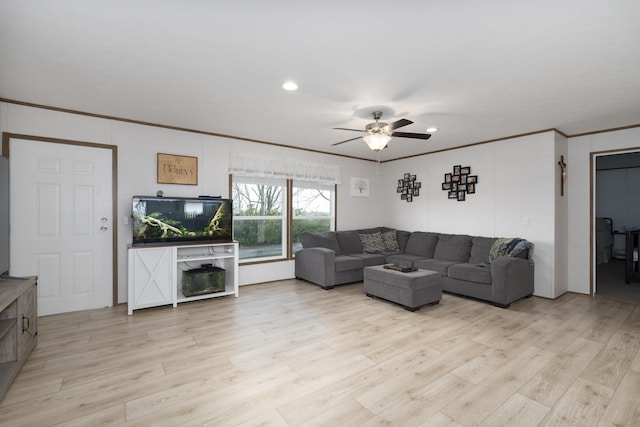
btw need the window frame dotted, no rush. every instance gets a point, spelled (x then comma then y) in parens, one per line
(282, 217)
(332, 214)
(288, 218)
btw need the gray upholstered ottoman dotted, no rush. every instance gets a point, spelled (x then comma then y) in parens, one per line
(411, 290)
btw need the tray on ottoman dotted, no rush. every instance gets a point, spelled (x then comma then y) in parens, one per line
(411, 290)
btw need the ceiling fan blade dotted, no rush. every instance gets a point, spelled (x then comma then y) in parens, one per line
(347, 140)
(411, 135)
(355, 130)
(398, 124)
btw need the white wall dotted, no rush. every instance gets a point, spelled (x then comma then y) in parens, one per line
(561, 248)
(137, 149)
(516, 181)
(518, 178)
(580, 197)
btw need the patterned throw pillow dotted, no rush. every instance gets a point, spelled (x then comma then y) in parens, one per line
(372, 243)
(499, 248)
(390, 241)
(515, 247)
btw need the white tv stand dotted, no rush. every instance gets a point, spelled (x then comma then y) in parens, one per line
(155, 272)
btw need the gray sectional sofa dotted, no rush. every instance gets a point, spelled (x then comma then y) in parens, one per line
(496, 270)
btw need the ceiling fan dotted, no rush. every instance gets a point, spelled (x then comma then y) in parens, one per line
(378, 134)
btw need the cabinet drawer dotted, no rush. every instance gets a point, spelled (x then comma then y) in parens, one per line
(27, 322)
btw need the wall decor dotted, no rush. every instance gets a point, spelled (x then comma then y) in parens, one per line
(563, 174)
(359, 187)
(174, 169)
(460, 183)
(408, 187)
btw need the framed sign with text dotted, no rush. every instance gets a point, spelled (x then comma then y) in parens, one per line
(173, 169)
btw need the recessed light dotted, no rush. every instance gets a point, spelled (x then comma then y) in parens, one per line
(432, 130)
(290, 86)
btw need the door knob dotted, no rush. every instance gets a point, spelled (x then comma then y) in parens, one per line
(104, 228)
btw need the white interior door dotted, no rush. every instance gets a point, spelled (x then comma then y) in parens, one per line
(61, 219)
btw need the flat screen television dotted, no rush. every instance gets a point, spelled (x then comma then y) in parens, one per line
(179, 220)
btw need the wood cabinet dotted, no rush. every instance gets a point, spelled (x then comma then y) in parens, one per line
(157, 273)
(18, 326)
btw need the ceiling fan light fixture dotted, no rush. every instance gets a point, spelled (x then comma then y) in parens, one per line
(432, 130)
(378, 134)
(376, 141)
(290, 86)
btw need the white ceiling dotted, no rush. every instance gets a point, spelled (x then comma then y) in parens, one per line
(476, 70)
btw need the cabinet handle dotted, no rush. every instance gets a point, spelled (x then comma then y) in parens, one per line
(28, 327)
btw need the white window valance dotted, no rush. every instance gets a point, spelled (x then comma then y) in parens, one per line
(283, 168)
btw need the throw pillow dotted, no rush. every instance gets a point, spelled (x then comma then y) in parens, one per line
(390, 241)
(521, 249)
(498, 249)
(372, 243)
(510, 247)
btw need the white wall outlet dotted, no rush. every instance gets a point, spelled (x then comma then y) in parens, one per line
(125, 220)
(525, 220)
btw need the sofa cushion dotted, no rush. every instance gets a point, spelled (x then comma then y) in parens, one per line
(403, 238)
(390, 241)
(439, 265)
(372, 243)
(403, 259)
(470, 273)
(347, 263)
(370, 259)
(453, 247)
(371, 230)
(480, 247)
(421, 243)
(325, 239)
(349, 242)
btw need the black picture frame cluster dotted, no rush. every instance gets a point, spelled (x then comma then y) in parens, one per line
(459, 183)
(408, 187)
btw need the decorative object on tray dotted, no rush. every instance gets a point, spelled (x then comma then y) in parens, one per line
(173, 169)
(401, 268)
(460, 183)
(408, 187)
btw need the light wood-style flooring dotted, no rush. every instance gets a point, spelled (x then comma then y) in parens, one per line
(610, 282)
(291, 354)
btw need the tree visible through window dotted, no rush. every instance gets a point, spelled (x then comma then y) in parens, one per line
(260, 214)
(258, 217)
(312, 207)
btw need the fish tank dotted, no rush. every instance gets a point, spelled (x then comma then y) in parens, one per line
(180, 220)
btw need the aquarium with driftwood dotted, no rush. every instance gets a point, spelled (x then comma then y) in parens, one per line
(180, 220)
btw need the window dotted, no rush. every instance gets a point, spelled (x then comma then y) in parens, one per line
(312, 207)
(259, 217)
